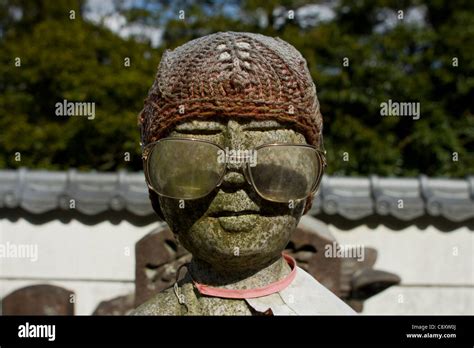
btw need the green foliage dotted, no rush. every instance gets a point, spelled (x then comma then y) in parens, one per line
(78, 61)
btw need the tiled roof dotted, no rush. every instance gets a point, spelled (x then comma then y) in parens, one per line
(38, 192)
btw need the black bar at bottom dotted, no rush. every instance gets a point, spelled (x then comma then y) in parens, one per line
(412, 330)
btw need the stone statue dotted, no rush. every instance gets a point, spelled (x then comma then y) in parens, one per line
(233, 153)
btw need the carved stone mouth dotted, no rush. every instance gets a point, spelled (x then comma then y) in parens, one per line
(238, 223)
(225, 213)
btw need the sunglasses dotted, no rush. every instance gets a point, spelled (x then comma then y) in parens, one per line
(190, 168)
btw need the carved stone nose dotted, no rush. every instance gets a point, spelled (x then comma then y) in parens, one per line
(235, 136)
(233, 179)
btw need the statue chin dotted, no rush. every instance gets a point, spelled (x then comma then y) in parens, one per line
(246, 242)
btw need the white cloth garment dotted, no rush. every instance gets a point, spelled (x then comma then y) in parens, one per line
(304, 296)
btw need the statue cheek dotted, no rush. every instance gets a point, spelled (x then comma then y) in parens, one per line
(181, 215)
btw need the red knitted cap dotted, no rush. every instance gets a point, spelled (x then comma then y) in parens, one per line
(230, 74)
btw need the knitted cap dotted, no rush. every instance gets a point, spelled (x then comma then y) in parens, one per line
(230, 74)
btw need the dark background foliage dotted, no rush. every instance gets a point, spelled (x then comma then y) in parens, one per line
(80, 60)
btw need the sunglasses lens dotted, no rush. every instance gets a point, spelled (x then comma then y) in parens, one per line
(184, 169)
(286, 172)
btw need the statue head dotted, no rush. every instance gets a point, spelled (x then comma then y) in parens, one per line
(232, 146)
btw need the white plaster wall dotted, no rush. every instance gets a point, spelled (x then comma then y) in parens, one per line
(73, 251)
(435, 300)
(98, 263)
(437, 268)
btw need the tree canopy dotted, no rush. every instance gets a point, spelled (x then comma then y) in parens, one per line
(365, 53)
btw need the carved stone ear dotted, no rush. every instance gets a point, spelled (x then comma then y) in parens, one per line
(155, 203)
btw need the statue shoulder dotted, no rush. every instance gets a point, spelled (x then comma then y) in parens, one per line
(163, 303)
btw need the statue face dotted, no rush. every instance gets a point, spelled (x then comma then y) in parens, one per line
(233, 228)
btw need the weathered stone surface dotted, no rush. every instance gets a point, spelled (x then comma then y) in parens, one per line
(307, 247)
(121, 305)
(39, 300)
(157, 258)
(235, 235)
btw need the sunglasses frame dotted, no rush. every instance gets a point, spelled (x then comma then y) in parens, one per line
(321, 155)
